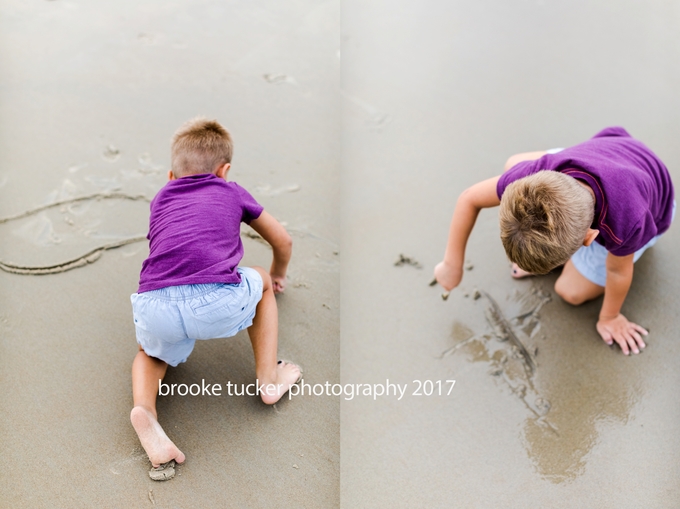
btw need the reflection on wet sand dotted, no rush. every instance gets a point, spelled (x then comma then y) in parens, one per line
(564, 412)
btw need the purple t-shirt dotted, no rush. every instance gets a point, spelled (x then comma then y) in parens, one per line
(633, 189)
(194, 232)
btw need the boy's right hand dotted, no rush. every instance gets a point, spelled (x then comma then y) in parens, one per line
(447, 275)
(278, 283)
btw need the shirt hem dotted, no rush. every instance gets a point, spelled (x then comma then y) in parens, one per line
(149, 287)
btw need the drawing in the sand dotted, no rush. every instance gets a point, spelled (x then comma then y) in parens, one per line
(83, 259)
(508, 356)
(92, 254)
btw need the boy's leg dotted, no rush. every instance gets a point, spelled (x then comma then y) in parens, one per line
(574, 288)
(264, 338)
(524, 156)
(146, 373)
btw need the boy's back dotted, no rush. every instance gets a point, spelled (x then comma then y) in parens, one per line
(633, 189)
(194, 232)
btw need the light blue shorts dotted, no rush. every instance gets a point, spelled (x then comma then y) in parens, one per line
(170, 320)
(591, 261)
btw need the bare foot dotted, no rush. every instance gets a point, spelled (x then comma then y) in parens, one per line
(518, 273)
(156, 443)
(287, 374)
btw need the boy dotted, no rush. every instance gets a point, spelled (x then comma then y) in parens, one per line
(190, 285)
(594, 208)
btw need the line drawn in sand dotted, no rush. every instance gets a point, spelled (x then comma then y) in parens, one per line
(95, 253)
(89, 257)
(510, 360)
(502, 329)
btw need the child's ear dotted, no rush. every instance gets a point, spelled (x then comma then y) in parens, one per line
(171, 176)
(223, 170)
(590, 236)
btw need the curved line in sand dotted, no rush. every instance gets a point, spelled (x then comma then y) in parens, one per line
(89, 257)
(80, 261)
(96, 196)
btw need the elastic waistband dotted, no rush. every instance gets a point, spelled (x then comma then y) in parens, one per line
(183, 292)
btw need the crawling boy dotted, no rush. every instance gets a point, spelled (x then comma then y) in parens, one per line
(593, 208)
(191, 287)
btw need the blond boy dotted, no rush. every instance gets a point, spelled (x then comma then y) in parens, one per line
(593, 208)
(191, 287)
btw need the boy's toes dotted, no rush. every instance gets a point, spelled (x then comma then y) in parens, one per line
(518, 273)
(287, 375)
(290, 372)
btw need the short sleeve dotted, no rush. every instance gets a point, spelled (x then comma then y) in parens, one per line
(644, 231)
(250, 209)
(520, 170)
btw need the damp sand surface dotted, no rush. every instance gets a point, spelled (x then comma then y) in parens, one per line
(90, 95)
(585, 426)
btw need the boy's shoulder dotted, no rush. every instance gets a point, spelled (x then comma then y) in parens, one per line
(205, 192)
(203, 184)
(204, 195)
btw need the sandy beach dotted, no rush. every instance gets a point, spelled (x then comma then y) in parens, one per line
(356, 124)
(90, 95)
(458, 89)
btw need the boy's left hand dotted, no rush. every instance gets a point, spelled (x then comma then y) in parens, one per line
(278, 283)
(626, 334)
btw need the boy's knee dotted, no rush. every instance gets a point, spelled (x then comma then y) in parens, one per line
(266, 278)
(569, 294)
(512, 161)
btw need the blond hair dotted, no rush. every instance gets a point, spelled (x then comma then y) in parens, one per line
(544, 219)
(200, 146)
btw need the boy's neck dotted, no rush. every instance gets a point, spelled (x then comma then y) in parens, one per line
(590, 190)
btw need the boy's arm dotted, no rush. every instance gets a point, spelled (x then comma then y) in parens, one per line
(612, 325)
(282, 246)
(482, 195)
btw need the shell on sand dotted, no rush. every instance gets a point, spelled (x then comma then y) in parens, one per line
(164, 472)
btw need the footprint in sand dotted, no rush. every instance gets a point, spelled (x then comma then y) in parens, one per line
(278, 79)
(374, 118)
(147, 164)
(267, 190)
(111, 153)
(147, 38)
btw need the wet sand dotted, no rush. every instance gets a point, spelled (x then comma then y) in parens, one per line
(434, 98)
(89, 97)
(459, 88)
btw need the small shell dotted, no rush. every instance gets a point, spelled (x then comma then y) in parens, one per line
(164, 472)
